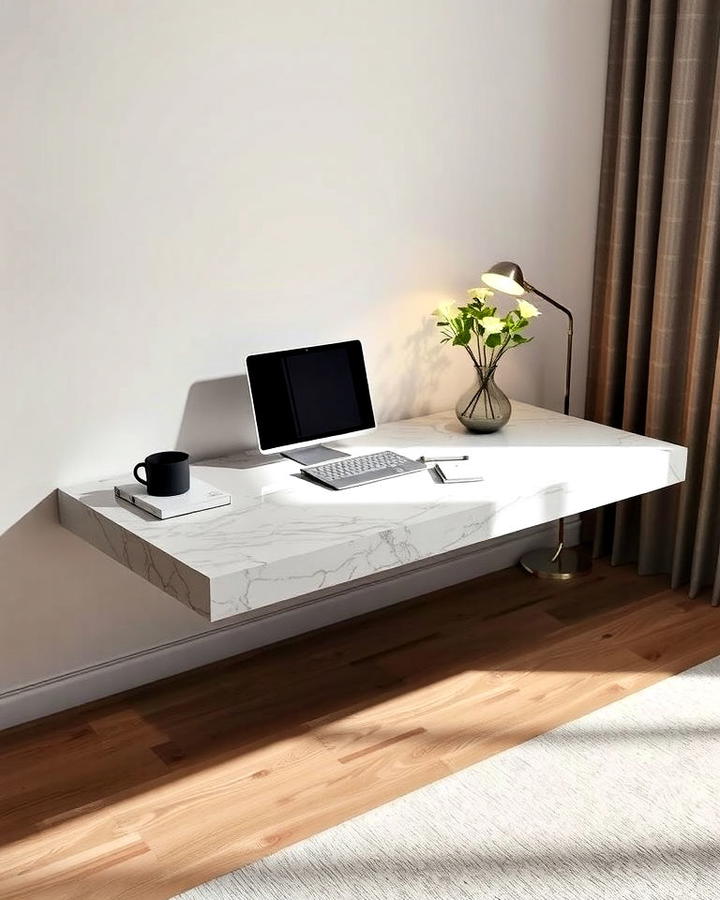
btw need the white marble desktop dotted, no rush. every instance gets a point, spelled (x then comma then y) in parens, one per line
(284, 537)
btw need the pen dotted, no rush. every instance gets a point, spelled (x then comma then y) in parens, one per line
(427, 459)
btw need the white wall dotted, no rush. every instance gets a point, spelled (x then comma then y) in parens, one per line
(186, 181)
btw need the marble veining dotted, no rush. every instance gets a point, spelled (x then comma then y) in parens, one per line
(283, 537)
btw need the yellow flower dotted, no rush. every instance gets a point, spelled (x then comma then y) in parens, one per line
(479, 293)
(492, 325)
(527, 310)
(445, 311)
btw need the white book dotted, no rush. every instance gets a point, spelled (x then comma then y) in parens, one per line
(200, 496)
(459, 472)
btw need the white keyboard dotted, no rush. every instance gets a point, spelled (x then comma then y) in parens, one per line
(352, 471)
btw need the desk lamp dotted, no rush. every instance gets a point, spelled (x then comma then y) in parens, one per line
(554, 562)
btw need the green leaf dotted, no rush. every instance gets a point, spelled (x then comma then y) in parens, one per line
(494, 340)
(519, 339)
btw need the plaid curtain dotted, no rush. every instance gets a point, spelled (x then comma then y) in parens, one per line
(655, 329)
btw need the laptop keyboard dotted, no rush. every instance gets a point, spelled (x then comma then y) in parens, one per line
(352, 470)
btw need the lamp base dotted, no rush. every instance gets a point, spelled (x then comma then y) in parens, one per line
(547, 562)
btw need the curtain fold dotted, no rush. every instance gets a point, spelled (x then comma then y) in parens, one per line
(654, 361)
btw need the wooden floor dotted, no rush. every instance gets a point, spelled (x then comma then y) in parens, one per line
(154, 791)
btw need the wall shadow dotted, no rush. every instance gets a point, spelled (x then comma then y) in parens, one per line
(217, 419)
(415, 378)
(45, 512)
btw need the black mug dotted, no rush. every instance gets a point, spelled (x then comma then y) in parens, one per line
(167, 473)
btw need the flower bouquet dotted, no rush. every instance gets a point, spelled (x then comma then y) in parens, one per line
(486, 338)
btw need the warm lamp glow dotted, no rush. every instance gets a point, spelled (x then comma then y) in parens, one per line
(506, 277)
(503, 284)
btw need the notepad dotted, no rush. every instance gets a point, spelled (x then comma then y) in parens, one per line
(459, 472)
(201, 496)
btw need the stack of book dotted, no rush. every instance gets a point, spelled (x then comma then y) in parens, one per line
(200, 496)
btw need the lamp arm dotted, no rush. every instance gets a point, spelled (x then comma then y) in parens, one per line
(568, 364)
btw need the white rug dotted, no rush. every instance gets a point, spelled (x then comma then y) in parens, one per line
(623, 804)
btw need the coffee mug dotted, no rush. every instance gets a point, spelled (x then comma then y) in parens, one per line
(166, 473)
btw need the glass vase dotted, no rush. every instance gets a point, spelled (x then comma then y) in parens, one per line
(483, 407)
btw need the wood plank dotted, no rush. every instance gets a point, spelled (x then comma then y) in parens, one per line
(146, 794)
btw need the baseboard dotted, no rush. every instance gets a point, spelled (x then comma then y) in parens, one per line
(313, 611)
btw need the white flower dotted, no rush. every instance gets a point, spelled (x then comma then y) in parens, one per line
(479, 293)
(527, 310)
(492, 325)
(445, 311)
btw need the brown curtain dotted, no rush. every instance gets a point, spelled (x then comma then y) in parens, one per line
(654, 354)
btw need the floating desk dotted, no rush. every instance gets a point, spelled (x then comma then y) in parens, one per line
(284, 537)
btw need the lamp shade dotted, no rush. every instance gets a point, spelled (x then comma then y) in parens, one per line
(506, 277)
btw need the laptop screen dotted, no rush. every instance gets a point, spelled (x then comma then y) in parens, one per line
(309, 394)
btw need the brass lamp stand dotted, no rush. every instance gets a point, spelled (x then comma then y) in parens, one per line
(559, 562)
